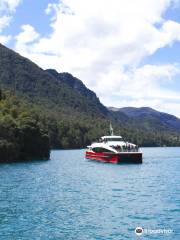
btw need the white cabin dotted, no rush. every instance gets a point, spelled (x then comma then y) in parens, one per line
(116, 141)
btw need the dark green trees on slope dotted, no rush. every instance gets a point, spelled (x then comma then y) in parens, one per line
(22, 136)
(23, 77)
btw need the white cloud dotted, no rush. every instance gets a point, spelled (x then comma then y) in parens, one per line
(9, 5)
(27, 36)
(5, 39)
(4, 22)
(142, 83)
(103, 42)
(7, 9)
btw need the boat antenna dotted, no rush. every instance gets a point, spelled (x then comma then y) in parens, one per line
(111, 129)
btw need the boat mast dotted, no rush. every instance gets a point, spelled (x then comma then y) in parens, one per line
(111, 129)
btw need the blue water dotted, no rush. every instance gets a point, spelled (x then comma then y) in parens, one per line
(73, 198)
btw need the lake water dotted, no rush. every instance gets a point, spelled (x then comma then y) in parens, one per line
(70, 197)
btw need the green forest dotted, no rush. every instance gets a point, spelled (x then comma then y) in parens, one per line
(27, 131)
(22, 134)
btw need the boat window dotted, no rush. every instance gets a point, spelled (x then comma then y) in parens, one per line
(113, 139)
(100, 149)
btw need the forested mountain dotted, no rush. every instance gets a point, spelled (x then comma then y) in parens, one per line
(24, 77)
(77, 86)
(64, 113)
(149, 118)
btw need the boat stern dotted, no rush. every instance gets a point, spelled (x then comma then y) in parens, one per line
(130, 157)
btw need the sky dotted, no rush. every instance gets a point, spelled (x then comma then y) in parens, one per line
(128, 52)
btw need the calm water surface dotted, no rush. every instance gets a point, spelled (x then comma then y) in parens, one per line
(73, 198)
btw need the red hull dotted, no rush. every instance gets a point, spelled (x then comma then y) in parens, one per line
(124, 157)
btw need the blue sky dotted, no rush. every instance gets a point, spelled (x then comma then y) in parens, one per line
(29, 12)
(127, 52)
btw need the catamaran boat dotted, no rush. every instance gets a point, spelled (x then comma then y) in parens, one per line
(114, 149)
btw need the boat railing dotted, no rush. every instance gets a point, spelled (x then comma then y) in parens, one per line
(124, 149)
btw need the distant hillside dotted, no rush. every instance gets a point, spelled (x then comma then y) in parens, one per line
(150, 118)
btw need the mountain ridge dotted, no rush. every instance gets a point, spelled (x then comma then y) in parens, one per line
(147, 112)
(77, 85)
(23, 76)
(144, 109)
